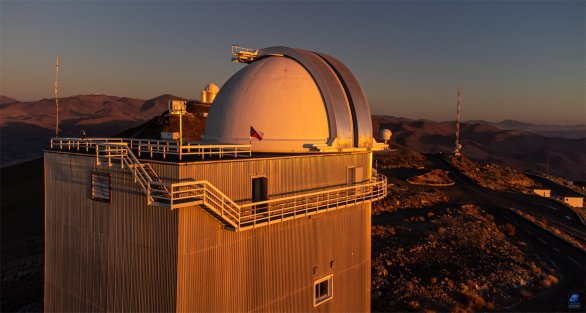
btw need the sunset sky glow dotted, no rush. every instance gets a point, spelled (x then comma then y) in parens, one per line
(522, 60)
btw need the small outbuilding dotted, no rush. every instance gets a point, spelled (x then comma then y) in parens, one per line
(543, 192)
(576, 202)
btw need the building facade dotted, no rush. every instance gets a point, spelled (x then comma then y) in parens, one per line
(160, 226)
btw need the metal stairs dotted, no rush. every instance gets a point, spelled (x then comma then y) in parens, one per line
(176, 195)
(232, 216)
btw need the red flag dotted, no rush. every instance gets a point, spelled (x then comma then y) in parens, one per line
(256, 134)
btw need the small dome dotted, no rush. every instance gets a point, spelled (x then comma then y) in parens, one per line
(386, 134)
(211, 87)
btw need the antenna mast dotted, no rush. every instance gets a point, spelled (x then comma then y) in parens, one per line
(458, 145)
(57, 97)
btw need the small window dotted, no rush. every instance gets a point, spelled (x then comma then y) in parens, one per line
(323, 290)
(101, 187)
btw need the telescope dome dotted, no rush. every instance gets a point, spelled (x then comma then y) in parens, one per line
(297, 100)
(211, 87)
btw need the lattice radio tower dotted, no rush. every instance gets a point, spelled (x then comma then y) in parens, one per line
(57, 97)
(458, 146)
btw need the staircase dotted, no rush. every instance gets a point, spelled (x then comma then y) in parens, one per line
(218, 205)
(172, 196)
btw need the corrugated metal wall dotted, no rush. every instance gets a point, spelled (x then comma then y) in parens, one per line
(118, 256)
(127, 256)
(285, 174)
(270, 269)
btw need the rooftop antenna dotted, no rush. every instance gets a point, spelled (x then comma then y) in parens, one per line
(458, 145)
(57, 97)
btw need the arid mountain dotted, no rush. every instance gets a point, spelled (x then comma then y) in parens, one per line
(6, 100)
(522, 150)
(547, 130)
(25, 127)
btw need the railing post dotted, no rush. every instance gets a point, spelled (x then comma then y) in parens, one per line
(223, 200)
(97, 155)
(109, 156)
(148, 191)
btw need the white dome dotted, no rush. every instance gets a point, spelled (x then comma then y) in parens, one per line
(278, 97)
(211, 87)
(301, 100)
(386, 134)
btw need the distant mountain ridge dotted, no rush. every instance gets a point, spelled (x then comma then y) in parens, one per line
(520, 149)
(6, 100)
(547, 130)
(25, 127)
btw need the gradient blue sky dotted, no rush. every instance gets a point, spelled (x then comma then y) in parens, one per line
(514, 59)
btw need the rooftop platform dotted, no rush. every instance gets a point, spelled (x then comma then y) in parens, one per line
(170, 151)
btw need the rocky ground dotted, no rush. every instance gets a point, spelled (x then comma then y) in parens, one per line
(566, 183)
(192, 125)
(435, 177)
(21, 240)
(576, 241)
(494, 176)
(399, 165)
(456, 259)
(399, 157)
(402, 197)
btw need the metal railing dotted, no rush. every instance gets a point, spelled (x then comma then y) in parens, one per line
(252, 215)
(159, 147)
(281, 209)
(243, 55)
(220, 206)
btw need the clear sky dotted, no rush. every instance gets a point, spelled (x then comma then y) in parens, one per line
(523, 60)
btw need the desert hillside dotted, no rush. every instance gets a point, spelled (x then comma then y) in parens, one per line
(521, 150)
(547, 130)
(6, 100)
(25, 127)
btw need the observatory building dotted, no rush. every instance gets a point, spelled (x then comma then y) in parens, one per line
(269, 212)
(208, 94)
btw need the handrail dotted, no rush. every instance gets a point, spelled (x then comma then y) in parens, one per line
(127, 157)
(153, 146)
(222, 207)
(271, 211)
